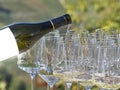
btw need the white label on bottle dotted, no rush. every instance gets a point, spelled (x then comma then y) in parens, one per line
(8, 45)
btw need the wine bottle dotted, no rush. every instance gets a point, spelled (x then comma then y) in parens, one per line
(18, 37)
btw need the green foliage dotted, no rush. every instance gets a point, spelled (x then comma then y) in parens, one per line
(6, 77)
(14, 77)
(20, 86)
(92, 14)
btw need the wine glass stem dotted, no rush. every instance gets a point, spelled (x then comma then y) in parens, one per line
(67, 88)
(32, 84)
(49, 88)
(68, 85)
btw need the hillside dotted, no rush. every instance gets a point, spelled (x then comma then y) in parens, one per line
(28, 10)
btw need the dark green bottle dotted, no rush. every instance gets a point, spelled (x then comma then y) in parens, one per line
(26, 34)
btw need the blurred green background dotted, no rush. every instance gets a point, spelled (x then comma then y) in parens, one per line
(86, 15)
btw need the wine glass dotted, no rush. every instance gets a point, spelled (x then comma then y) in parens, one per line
(63, 66)
(27, 62)
(83, 66)
(67, 58)
(48, 53)
(107, 74)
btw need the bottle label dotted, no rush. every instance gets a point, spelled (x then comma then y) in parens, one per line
(8, 44)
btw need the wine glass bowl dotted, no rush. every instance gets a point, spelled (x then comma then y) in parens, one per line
(106, 74)
(27, 62)
(48, 54)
